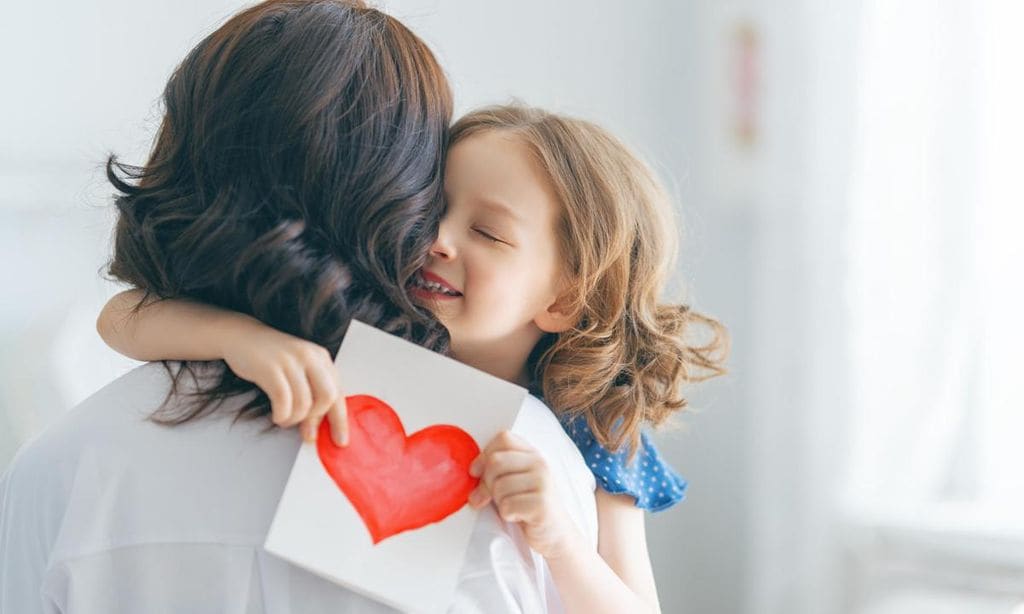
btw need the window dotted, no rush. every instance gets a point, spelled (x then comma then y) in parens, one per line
(936, 287)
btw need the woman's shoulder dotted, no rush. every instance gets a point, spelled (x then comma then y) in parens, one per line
(575, 483)
(647, 477)
(537, 424)
(111, 419)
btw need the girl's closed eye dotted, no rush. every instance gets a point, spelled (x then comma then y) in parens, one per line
(490, 236)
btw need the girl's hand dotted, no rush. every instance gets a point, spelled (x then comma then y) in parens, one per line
(515, 477)
(297, 375)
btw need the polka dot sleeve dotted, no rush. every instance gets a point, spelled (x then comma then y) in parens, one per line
(647, 478)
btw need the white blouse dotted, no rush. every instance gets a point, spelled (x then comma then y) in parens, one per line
(106, 513)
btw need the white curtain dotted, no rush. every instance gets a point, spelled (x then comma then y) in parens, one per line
(935, 277)
(889, 329)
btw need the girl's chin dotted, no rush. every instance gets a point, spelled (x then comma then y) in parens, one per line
(439, 309)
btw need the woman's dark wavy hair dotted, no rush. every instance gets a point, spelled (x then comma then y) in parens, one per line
(296, 177)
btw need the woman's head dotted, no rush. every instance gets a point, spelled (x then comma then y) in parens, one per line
(600, 232)
(296, 175)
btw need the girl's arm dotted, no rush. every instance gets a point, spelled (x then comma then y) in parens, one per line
(622, 543)
(174, 329)
(621, 567)
(617, 577)
(297, 375)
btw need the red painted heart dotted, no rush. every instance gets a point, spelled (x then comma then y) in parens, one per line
(396, 482)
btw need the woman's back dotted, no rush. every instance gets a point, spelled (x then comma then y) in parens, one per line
(107, 512)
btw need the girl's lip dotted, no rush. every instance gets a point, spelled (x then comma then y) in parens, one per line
(437, 279)
(424, 294)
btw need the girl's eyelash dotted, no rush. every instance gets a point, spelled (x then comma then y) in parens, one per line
(487, 236)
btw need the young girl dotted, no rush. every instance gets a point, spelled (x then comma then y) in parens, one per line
(546, 271)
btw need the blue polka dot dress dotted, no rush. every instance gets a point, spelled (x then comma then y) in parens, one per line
(647, 478)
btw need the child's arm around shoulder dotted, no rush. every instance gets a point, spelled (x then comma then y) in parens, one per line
(174, 329)
(297, 375)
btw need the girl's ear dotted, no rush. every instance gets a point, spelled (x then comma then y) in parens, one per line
(557, 318)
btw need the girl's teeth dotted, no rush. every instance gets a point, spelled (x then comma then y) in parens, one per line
(433, 286)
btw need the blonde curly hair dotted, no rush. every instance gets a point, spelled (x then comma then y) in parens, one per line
(627, 358)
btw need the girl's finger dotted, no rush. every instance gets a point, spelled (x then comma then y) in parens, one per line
(479, 496)
(279, 392)
(302, 398)
(502, 441)
(491, 465)
(324, 385)
(518, 508)
(513, 484)
(338, 419)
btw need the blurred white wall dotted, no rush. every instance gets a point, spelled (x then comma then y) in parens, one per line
(80, 81)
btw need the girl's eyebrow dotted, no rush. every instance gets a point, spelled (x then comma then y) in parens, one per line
(500, 208)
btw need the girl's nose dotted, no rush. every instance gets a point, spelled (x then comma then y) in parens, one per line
(443, 247)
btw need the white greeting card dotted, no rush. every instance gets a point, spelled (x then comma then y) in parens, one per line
(386, 515)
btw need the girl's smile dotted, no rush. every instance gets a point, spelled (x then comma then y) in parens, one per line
(431, 287)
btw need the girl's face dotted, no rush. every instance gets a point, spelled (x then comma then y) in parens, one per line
(493, 276)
